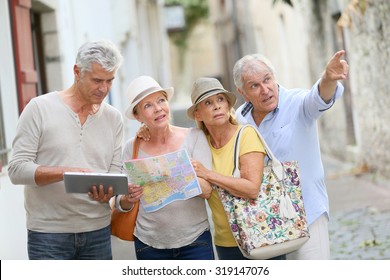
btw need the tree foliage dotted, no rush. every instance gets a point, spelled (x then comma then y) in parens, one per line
(194, 11)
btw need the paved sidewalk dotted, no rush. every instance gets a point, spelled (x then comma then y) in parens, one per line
(360, 212)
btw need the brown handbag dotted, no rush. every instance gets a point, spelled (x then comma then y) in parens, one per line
(123, 223)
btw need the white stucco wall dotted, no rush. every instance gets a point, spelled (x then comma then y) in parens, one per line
(68, 24)
(12, 217)
(279, 33)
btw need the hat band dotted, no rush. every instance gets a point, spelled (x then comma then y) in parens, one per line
(203, 94)
(145, 92)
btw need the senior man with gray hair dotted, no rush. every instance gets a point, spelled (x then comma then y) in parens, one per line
(287, 119)
(70, 130)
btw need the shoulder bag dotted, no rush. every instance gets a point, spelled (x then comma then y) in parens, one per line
(123, 223)
(274, 223)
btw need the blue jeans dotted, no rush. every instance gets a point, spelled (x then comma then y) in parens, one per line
(234, 253)
(200, 249)
(93, 245)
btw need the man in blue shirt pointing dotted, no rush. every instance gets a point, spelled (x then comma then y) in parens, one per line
(287, 119)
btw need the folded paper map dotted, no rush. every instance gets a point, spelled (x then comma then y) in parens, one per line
(164, 178)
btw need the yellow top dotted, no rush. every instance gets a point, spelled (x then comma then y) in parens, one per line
(223, 163)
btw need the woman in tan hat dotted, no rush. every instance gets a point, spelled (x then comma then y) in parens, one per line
(212, 109)
(181, 229)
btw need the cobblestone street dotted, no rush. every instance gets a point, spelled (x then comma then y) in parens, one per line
(360, 213)
(362, 234)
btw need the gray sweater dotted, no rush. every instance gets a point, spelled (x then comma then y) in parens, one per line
(49, 133)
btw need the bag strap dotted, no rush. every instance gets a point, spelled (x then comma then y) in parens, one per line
(286, 208)
(237, 150)
(277, 166)
(136, 143)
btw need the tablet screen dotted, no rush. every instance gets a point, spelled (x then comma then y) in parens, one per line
(80, 182)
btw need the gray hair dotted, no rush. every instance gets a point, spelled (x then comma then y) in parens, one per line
(104, 53)
(250, 63)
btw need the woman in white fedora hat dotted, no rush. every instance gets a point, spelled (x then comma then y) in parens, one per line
(212, 109)
(181, 229)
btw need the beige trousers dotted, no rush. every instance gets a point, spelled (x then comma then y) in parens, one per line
(317, 248)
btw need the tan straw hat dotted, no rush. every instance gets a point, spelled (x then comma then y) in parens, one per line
(140, 88)
(205, 87)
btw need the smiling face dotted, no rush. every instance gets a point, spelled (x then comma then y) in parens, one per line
(93, 86)
(153, 110)
(260, 88)
(214, 110)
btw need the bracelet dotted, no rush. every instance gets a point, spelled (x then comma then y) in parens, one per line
(118, 204)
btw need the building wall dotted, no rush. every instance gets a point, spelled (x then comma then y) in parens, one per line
(322, 30)
(279, 33)
(366, 28)
(369, 56)
(276, 31)
(300, 41)
(198, 59)
(139, 30)
(12, 217)
(135, 26)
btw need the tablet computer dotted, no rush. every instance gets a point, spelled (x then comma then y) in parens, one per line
(80, 182)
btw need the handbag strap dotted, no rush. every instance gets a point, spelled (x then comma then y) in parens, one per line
(136, 143)
(286, 208)
(277, 166)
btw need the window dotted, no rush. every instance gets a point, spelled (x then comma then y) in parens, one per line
(37, 43)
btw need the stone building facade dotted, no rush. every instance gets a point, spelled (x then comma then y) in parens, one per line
(357, 130)
(300, 40)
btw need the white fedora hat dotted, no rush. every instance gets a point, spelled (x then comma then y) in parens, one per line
(140, 88)
(205, 87)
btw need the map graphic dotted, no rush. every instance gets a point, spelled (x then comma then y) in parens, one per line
(164, 178)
